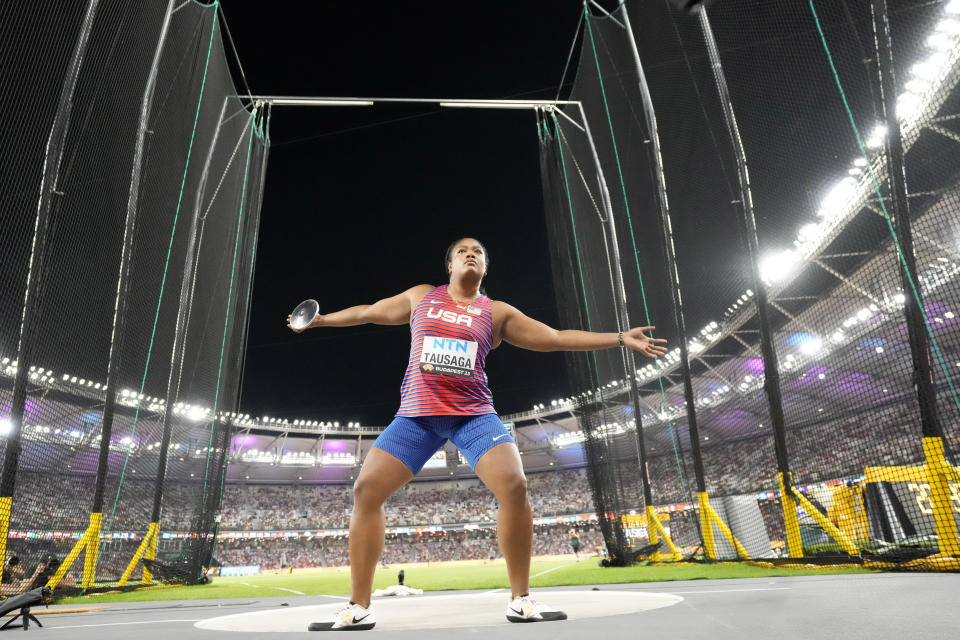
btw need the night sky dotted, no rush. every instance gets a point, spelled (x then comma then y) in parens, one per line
(360, 203)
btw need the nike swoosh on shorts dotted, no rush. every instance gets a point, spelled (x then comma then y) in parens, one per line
(502, 435)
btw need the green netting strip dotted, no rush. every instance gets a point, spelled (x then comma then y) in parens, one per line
(636, 260)
(156, 318)
(229, 313)
(893, 234)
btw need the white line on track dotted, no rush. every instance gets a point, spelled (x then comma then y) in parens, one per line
(549, 570)
(299, 593)
(115, 624)
(735, 590)
(537, 575)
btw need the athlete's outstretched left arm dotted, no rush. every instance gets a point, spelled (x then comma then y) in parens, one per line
(523, 331)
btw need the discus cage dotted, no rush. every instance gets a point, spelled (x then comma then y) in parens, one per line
(814, 417)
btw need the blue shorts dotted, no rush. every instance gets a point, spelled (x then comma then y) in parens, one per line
(413, 439)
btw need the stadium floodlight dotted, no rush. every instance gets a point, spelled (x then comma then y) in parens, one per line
(776, 267)
(196, 414)
(837, 198)
(5, 426)
(876, 137)
(907, 104)
(940, 42)
(949, 25)
(932, 67)
(809, 231)
(811, 346)
(917, 85)
(339, 459)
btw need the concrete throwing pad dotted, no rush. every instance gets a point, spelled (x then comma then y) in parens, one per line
(459, 610)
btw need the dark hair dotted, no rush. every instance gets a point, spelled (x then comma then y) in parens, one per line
(448, 258)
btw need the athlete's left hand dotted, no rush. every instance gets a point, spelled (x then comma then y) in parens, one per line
(650, 347)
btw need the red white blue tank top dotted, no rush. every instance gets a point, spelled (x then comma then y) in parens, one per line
(449, 343)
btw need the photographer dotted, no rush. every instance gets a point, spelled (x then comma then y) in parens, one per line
(14, 581)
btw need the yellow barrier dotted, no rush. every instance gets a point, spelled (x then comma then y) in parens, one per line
(149, 544)
(93, 548)
(6, 506)
(706, 525)
(848, 510)
(654, 526)
(828, 526)
(708, 518)
(790, 520)
(88, 542)
(939, 473)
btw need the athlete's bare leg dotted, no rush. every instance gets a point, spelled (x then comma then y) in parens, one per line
(380, 477)
(501, 470)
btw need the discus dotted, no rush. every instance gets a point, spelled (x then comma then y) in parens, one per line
(304, 313)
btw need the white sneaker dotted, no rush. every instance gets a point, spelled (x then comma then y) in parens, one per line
(526, 609)
(352, 617)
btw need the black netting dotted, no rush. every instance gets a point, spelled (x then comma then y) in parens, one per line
(795, 92)
(136, 269)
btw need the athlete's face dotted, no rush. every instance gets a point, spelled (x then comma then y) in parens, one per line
(468, 256)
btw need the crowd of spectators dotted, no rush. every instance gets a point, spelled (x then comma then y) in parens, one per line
(833, 449)
(828, 450)
(332, 551)
(274, 507)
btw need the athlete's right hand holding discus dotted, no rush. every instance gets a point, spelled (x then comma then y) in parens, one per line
(316, 322)
(445, 396)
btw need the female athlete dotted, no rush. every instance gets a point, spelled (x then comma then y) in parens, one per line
(444, 396)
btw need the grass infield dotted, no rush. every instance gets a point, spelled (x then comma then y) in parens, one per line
(545, 572)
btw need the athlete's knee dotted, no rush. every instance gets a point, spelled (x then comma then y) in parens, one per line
(367, 493)
(513, 489)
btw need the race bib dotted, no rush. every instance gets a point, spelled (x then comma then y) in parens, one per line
(448, 357)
